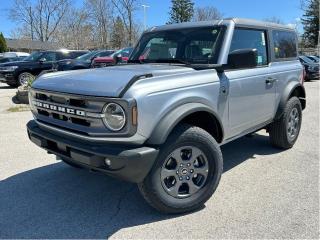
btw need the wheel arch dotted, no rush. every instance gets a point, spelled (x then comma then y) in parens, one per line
(196, 114)
(293, 89)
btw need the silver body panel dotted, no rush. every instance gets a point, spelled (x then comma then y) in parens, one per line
(247, 102)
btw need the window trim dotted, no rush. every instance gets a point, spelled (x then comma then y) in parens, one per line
(273, 57)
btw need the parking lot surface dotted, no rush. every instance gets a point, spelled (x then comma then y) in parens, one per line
(264, 192)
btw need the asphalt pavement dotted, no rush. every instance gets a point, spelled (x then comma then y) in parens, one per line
(264, 192)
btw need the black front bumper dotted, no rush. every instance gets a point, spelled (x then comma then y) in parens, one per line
(126, 162)
(7, 77)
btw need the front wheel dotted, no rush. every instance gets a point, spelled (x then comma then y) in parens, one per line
(285, 131)
(186, 172)
(25, 77)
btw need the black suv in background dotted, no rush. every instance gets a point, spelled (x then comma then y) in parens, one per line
(18, 73)
(83, 61)
(311, 68)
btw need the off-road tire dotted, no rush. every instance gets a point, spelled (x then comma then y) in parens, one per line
(278, 129)
(183, 135)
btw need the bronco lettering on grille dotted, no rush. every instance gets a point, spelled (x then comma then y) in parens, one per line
(59, 108)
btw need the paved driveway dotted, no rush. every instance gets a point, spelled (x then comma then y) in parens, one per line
(263, 193)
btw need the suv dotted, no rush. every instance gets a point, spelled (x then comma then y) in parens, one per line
(160, 120)
(19, 72)
(82, 62)
(311, 67)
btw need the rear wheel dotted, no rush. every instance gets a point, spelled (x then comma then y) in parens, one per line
(186, 172)
(285, 131)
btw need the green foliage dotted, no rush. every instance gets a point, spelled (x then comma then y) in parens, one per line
(310, 21)
(181, 11)
(118, 34)
(3, 44)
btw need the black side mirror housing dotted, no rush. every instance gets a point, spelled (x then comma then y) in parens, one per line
(243, 58)
(118, 58)
(42, 60)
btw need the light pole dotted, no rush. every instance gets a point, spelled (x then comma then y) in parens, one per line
(145, 15)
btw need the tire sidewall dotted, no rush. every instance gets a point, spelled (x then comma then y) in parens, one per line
(19, 82)
(210, 149)
(293, 103)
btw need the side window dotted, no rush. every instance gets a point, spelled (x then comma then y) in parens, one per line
(284, 43)
(50, 56)
(252, 39)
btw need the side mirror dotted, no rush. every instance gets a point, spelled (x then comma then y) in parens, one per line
(41, 60)
(118, 58)
(243, 58)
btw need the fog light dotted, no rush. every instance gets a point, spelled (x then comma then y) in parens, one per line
(107, 162)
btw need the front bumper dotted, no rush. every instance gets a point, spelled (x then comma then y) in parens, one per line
(126, 162)
(7, 77)
(313, 75)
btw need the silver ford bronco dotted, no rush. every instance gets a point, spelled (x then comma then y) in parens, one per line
(160, 120)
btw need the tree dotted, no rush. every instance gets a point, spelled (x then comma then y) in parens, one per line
(75, 31)
(274, 19)
(310, 21)
(3, 44)
(206, 14)
(126, 9)
(100, 14)
(181, 11)
(41, 17)
(118, 34)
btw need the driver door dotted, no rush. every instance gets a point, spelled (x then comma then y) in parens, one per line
(251, 95)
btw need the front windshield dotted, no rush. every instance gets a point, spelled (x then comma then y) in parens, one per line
(35, 56)
(87, 56)
(199, 45)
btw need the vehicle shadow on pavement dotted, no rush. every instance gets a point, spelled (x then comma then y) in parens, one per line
(57, 201)
(6, 87)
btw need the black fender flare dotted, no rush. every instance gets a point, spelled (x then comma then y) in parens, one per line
(290, 88)
(171, 119)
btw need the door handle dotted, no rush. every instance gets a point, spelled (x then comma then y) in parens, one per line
(270, 80)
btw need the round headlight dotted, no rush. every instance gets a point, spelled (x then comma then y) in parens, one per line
(114, 116)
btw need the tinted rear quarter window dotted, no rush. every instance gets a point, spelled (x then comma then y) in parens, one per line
(284, 44)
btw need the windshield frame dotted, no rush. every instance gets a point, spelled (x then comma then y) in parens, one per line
(141, 46)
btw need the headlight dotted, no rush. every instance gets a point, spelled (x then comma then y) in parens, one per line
(9, 68)
(31, 97)
(114, 116)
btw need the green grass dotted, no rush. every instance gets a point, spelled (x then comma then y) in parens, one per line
(19, 109)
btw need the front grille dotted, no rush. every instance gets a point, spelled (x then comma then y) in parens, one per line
(72, 112)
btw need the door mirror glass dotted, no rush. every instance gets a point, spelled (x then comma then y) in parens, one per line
(243, 58)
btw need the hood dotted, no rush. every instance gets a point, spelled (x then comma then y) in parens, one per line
(103, 82)
(17, 63)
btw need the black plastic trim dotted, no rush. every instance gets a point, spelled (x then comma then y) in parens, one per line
(129, 163)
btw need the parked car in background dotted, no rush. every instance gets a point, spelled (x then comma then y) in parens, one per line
(15, 54)
(18, 73)
(118, 57)
(83, 61)
(314, 58)
(10, 59)
(311, 68)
